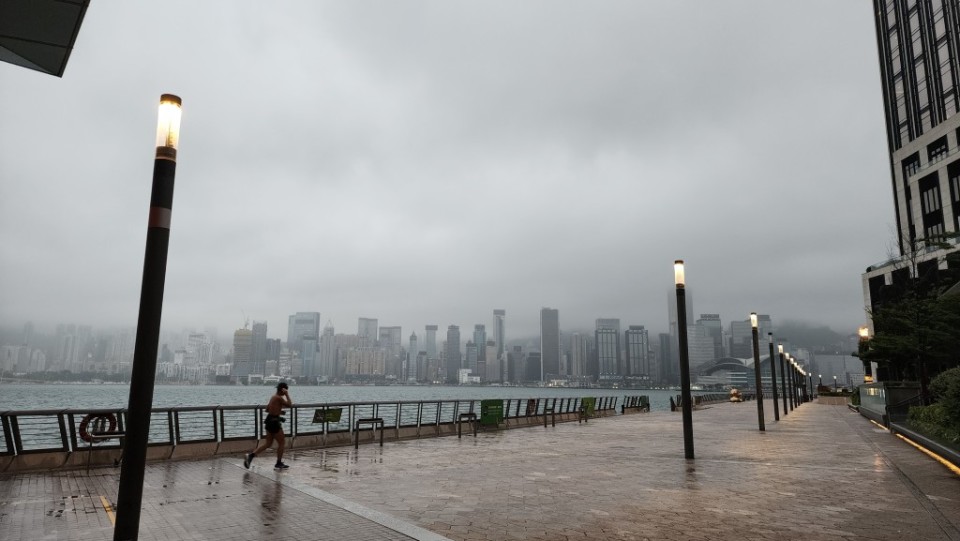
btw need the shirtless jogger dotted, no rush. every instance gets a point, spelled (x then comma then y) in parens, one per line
(274, 426)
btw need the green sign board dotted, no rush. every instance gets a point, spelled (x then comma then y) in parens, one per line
(331, 415)
(589, 404)
(491, 412)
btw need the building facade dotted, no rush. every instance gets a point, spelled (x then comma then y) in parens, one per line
(918, 45)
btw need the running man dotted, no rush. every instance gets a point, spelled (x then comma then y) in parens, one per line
(274, 426)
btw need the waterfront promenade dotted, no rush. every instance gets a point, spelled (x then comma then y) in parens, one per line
(822, 472)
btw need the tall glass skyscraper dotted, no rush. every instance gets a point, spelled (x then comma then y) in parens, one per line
(549, 343)
(453, 354)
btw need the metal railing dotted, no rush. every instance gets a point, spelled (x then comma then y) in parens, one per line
(66, 430)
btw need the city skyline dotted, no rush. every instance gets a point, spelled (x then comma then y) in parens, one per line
(416, 172)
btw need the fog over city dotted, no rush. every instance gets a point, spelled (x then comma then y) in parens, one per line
(428, 162)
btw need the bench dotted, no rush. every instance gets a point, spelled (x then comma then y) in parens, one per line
(471, 418)
(373, 422)
(104, 436)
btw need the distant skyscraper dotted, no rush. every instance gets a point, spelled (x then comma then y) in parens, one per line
(480, 340)
(637, 349)
(711, 323)
(452, 354)
(391, 340)
(242, 352)
(607, 337)
(549, 343)
(471, 357)
(430, 342)
(412, 351)
(669, 367)
(302, 324)
(578, 354)
(741, 336)
(259, 347)
(367, 331)
(309, 357)
(499, 331)
(328, 352)
(492, 365)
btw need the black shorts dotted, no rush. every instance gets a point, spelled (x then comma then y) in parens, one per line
(273, 424)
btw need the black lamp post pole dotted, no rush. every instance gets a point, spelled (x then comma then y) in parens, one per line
(143, 372)
(773, 378)
(685, 396)
(756, 370)
(793, 390)
(783, 380)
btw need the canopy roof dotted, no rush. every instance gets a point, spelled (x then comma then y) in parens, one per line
(39, 34)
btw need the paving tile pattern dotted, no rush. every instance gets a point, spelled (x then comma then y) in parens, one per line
(821, 473)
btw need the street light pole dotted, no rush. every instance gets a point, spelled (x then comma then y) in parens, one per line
(783, 379)
(810, 380)
(756, 369)
(143, 372)
(773, 378)
(793, 390)
(685, 397)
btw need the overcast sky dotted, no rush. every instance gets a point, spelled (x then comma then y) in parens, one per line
(427, 162)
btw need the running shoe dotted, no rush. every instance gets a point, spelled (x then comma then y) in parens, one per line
(247, 460)
(280, 466)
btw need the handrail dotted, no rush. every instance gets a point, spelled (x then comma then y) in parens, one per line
(59, 430)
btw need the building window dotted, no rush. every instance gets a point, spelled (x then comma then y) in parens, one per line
(937, 150)
(911, 165)
(931, 206)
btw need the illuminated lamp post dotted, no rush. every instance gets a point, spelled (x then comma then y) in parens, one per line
(685, 397)
(862, 347)
(820, 382)
(834, 383)
(130, 492)
(756, 369)
(783, 379)
(810, 380)
(773, 378)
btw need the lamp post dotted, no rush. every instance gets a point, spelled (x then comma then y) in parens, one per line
(783, 379)
(793, 390)
(864, 333)
(834, 383)
(820, 382)
(130, 492)
(810, 380)
(756, 369)
(687, 406)
(773, 378)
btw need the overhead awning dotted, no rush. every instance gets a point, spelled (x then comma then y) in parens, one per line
(39, 34)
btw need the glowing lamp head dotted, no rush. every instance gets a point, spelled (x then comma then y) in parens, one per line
(678, 278)
(168, 122)
(780, 349)
(753, 319)
(864, 333)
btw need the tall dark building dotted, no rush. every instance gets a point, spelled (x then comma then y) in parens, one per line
(452, 354)
(918, 44)
(549, 343)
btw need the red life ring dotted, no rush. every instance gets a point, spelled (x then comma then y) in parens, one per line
(99, 425)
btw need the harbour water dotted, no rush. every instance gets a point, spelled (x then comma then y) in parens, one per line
(79, 396)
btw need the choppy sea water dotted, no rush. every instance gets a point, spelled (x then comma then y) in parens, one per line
(80, 396)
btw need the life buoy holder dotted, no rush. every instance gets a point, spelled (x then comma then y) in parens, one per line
(97, 424)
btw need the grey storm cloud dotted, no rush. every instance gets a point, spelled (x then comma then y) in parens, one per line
(427, 162)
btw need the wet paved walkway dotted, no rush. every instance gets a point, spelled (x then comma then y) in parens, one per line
(822, 472)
